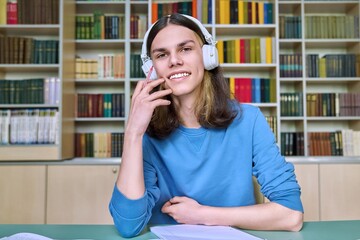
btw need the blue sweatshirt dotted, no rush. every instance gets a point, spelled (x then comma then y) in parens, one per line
(213, 167)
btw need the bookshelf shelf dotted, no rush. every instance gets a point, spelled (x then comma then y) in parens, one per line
(30, 67)
(30, 152)
(328, 80)
(30, 29)
(21, 106)
(337, 118)
(109, 119)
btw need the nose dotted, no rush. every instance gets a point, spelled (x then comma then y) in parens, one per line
(175, 60)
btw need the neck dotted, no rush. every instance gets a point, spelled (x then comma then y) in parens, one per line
(186, 113)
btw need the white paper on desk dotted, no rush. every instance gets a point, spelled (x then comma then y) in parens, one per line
(26, 236)
(29, 236)
(200, 232)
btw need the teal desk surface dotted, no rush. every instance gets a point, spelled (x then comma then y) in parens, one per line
(325, 230)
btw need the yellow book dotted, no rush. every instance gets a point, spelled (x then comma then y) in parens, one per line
(273, 90)
(220, 47)
(252, 50)
(253, 12)
(232, 87)
(237, 50)
(268, 43)
(2, 12)
(257, 50)
(261, 12)
(224, 8)
(241, 11)
(322, 67)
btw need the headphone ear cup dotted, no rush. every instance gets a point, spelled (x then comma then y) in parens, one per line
(210, 56)
(146, 69)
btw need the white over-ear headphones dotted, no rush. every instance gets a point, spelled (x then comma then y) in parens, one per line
(210, 53)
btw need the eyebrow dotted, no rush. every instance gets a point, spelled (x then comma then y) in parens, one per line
(179, 45)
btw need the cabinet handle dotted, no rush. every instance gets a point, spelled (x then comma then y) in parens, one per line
(114, 170)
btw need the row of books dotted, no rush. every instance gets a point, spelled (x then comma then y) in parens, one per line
(320, 104)
(247, 50)
(333, 104)
(29, 12)
(22, 50)
(253, 90)
(135, 66)
(289, 26)
(160, 9)
(339, 143)
(30, 91)
(106, 66)
(29, 126)
(99, 145)
(245, 12)
(291, 65)
(333, 65)
(99, 26)
(292, 143)
(291, 104)
(272, 121)
(138, 25)
(334, 26)
(89, 105)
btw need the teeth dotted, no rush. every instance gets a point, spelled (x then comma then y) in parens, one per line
(179, 75)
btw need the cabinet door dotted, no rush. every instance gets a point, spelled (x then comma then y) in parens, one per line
(80, 194)
(308, 178)
(22, 194)
(340, 191)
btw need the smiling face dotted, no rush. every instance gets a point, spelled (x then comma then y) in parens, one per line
(176, 52)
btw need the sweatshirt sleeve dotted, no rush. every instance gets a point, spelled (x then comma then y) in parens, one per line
(275, 176)
(131, 216)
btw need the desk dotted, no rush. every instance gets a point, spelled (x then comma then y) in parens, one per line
(327, 230)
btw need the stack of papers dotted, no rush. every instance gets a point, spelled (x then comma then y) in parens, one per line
(200, 232)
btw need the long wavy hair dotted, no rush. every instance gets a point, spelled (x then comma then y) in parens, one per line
(212, 107)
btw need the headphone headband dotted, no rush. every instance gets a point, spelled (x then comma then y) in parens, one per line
(208, 38)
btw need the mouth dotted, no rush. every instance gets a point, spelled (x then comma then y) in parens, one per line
(179, 75)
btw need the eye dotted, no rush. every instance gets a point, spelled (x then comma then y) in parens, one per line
(160, 55)
(186, 49)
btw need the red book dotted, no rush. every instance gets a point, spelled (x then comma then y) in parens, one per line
(243, 90)
(11, 12)
(242, 51)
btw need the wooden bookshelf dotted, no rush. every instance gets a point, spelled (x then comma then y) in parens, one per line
(314, 173)
(61, 30)
(319, 36)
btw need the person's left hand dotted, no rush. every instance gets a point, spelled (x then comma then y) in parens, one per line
(183, 210)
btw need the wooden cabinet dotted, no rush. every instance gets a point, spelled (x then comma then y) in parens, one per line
(22, 194)
(308, 178)
(79, 194)
(329, 191)
(339, 191)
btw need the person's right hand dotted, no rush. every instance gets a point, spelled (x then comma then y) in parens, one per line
(143, 103)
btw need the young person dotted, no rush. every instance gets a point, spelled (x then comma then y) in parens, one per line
(190, 152)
